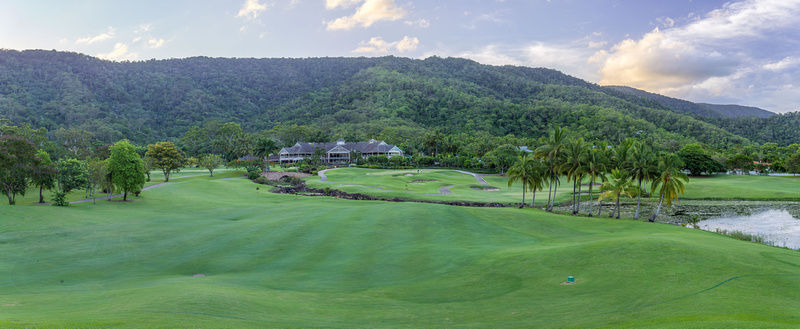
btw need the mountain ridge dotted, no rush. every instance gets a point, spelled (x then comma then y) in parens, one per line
(360, 97)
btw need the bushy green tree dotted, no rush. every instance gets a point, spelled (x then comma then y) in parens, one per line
(697, 160)
(44, 173)
(72, 174)
(17, 162)
(126, 168)
(211, 162)
(166, 157)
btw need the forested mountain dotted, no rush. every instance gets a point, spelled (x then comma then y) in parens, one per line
(389, 98)
(697, 109)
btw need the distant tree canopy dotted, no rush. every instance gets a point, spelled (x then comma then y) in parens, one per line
(207, 105)
(697, 160)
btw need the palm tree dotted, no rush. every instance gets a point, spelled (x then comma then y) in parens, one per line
(263, 148)
(595, 168)
(551, 150)
(622, 154)
(575, 156)
(670, 181)
(642, 169)
(619, 184)
(538, 177)
(521, 171)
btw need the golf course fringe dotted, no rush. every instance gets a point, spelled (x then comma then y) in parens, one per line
(299, 187)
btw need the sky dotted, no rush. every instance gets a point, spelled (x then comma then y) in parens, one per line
(730, 52)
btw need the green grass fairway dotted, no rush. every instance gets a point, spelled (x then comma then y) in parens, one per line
(406, 184)
(396, 184)
(744, 187)
(289, 261)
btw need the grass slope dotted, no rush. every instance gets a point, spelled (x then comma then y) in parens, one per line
(719, 187)
(290, 261)
(743, 187)
(401, 183)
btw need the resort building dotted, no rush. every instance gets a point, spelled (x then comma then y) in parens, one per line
(338, 152)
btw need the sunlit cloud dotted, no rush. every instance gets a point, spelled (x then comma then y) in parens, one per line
(376, 45)
(370, 12)
(119, 53)
(706, 53)
(155, 43)
(251, 9)
(109, 34)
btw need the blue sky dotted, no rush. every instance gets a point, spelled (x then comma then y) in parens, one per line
(745, 52)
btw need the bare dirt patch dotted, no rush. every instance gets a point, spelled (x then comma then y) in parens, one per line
(275, 176)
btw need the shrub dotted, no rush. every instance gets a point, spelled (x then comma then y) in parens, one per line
(263, 180)
(60, 199)
(253, 172)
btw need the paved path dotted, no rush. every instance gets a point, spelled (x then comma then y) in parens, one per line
(478, 177)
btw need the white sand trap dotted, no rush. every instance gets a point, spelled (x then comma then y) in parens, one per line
(199, 275)
(485, 188)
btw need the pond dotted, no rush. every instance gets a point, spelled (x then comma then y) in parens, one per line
(776, 226)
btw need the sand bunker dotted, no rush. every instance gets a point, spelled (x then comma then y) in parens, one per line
(199, 275)
(485, 188)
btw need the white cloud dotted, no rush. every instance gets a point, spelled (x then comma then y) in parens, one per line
(571, 57)
(251, 9)
(370, 12)
(97, 38)
(143, 28)
(155, 43)
(332, 4)
(709, 54)
(783, 64)
(119, 53)
(376, 45)
(423, 23)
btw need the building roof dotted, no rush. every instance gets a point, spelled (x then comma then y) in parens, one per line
(372, 146)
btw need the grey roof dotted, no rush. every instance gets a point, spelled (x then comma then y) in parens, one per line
(372, 146)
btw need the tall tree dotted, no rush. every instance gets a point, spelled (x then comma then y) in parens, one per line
(643, 166)
(264, 146)
(167, 157)
(44, 173)
(551, 150)
(126, 168)
(521, 171)
(574, 168)
(670, 181)
(17, 162)
(72, 174)
(97, 176)
(595, 168)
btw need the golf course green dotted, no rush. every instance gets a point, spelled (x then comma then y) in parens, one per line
(403, 183)
(220, 252)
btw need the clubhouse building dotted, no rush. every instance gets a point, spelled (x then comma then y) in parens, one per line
(338, 152)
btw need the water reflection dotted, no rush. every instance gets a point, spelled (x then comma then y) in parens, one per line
(777, 226)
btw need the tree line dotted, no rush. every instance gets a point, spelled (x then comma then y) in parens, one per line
(624, 169)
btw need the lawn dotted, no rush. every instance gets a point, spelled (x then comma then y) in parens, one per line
(396, 184)
(289, 261)
(744, 187)
(31, 196)
(411, 184)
